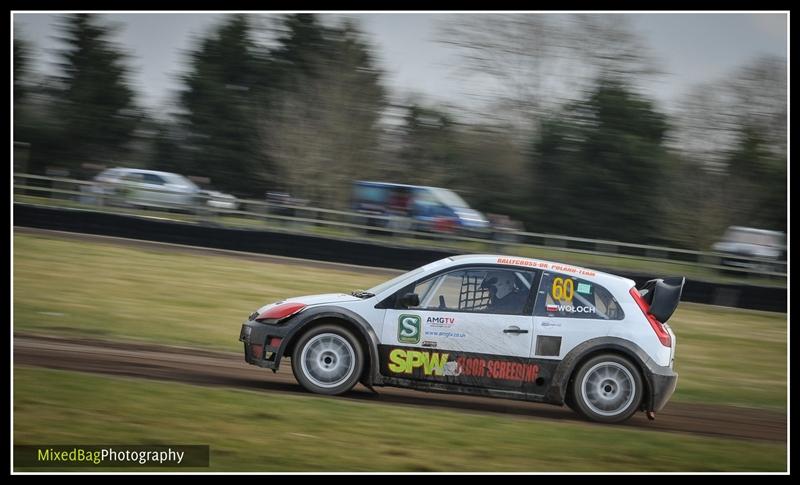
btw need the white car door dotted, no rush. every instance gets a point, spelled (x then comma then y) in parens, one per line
(570, 311)
(462, 332)
(158, 194)
(132, 189)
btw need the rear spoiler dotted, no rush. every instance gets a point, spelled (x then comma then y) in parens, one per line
(663, 296)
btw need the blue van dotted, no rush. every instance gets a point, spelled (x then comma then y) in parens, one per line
(430, 208)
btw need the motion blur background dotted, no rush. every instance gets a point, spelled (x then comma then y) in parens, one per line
(648, 128)
(622, 142)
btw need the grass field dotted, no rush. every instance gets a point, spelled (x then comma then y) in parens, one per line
(252, 431)
(104, 290)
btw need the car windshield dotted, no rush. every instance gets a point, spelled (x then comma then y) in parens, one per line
(449, 198)
(174, 178)
(110, 173)
(388, 284)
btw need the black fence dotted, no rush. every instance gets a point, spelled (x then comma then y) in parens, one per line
(334, 250)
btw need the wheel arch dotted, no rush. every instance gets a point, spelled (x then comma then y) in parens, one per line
(349, 320)
(572, 362)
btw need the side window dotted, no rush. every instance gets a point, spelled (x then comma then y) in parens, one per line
(153, 179)
(566, 296)
(132, 177)
(424, 203)
(479, 290)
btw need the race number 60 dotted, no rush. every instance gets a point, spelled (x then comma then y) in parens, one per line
(563, 289)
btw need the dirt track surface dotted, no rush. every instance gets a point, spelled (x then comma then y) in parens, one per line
(206, 367)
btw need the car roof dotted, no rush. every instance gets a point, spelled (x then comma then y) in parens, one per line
(577, 271)
(391, 184)
(145, 171)
(755, 230)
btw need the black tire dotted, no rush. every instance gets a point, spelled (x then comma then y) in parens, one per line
(607, 388)
(569, 401)
(328, 360)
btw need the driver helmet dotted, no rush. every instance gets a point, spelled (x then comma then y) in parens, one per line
(500, 283)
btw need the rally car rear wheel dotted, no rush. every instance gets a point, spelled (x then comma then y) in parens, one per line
(607, 388)
(328, 360)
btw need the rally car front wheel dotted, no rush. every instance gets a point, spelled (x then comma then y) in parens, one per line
(328, 360)
(607, 388)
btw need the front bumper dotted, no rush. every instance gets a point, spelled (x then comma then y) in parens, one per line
(663, 382)
(264, 344)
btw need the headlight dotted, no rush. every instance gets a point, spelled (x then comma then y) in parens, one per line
(244, 335)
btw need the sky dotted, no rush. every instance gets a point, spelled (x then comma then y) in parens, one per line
(690, 48)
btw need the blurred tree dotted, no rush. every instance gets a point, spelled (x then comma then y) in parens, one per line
(22, 121)
(491, 170)
(94, 102)
(325, 129)
(222, 101)
(302, 42)
(531, 65)
(599, 168)
(514, 59)
(38, 131)
(755, 183)
(732, 136)
(712, 116)
(760, 93)
(693, 200)
(154, 145)
(611, 48)
(168, 153)
(21, 68)
(429, 150)
(480, 162)
(526, 65)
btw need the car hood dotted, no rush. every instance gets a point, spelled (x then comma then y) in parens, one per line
(314, 300)
(215, 193)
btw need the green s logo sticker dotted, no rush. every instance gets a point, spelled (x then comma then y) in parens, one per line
(409, 329)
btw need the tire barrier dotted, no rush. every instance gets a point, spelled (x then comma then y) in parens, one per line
(336, 250)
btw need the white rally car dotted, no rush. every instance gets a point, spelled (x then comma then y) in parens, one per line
(499, 326)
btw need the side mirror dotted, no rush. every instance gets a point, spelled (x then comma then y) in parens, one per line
(409, 300)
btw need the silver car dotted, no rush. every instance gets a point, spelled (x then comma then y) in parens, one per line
(750, 248)
(133, 187)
